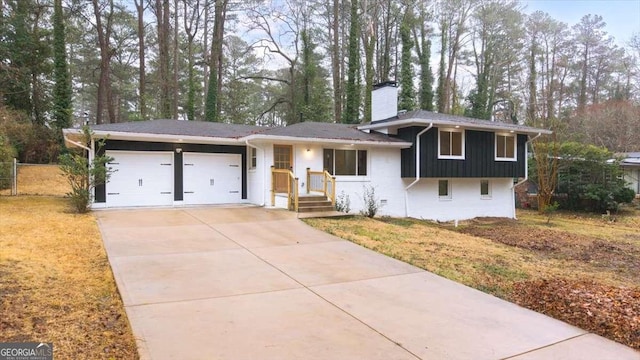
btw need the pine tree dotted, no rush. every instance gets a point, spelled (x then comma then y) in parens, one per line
(352, 110)
(211, 103)
(426, 78)
(62, 88)
(407, 99)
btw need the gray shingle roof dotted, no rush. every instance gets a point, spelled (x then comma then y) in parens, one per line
(319, 130)
(454, 120)
(184, 128)
(312, 130)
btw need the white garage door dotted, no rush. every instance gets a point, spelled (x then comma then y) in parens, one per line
(141, 178)
(212, 178)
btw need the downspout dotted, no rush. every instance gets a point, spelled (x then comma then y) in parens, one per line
(406, 190)
(526, 172)
(264, 173)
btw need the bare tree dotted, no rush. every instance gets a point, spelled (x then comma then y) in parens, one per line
(452, 23)
(106, 53)
(140, 7)
(192, 14)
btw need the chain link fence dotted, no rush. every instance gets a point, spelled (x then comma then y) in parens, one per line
(8, 177)
(32, 179)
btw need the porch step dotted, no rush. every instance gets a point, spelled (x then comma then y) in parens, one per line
(320, 208)
(312, 198)
(314, 203)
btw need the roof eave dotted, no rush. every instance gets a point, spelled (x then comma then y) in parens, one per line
(296, 139)
(470, 126)
(168, 138)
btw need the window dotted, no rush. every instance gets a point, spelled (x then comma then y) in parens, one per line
(253, 158)
(451, 144)
(485, 189)
(444, 191)
(282, 156)
(345, 162)
(505, 147)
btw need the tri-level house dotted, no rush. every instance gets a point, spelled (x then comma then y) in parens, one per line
(420, 164)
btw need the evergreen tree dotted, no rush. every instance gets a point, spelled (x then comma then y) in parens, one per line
(426, 78)
(62, 87)
(407, 99)
(314, 99)
(211, 103)
(352, 110)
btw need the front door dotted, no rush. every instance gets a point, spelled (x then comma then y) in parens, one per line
(282, 159)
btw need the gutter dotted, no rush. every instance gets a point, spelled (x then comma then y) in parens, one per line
(80, 145)
(406, 190)
(526, 171)
(264, 173)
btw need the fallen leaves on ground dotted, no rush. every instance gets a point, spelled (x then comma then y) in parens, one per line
(613, 312)
(621, 256)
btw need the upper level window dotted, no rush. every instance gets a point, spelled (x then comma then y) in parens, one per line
(451, 144)
(345, 162)
(506, 147)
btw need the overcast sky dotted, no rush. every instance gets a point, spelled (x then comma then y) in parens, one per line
(622, 16)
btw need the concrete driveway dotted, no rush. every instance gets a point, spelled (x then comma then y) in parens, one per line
(252, 283)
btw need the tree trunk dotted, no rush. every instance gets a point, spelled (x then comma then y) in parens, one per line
(212, 107)
(141, 54)
(205, 52)
(104, 84)
(336, 62)
(174, 84)
(162, 15)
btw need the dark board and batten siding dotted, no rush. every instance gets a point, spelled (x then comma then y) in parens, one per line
(479, 159)
(101, 193)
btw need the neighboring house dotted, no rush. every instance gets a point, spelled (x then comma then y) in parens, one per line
(631, 166)
(467, 167)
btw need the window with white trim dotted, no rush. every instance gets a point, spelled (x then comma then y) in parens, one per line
(253, 158)
(485, 189)
(450, 144)
(345, 162)
(506, 147)
(444, 189)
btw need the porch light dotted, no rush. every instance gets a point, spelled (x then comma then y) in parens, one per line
(178, 150)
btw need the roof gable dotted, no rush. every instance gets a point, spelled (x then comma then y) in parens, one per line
(438, 119)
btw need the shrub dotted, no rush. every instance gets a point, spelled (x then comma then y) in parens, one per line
(82, 175)
(371, 203)
(588, 179)
(33, 143)
(343, 203)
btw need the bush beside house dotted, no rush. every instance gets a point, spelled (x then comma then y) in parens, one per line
(588, 180)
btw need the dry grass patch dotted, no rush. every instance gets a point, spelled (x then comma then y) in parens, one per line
(56, 284)
(40, 180)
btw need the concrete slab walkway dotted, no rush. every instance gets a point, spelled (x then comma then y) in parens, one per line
(251, 283)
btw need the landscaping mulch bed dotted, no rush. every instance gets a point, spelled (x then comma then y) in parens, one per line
(612, 312)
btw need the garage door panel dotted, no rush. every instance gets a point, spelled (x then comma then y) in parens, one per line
(140, 178)
(212, 178)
